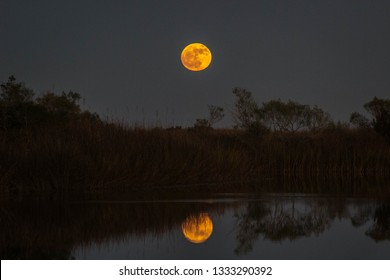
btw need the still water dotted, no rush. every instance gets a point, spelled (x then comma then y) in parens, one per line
(223, 226)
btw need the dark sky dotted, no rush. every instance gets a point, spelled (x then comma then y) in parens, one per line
(123, 56)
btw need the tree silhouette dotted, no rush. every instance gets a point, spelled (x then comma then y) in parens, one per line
(278, 221)
(15, 93)
(215, 115)
(16, 104)
(247, 114)
(380, 230)
(293, 116)
(19, 108)
(276, 115)
(379, 109)
(359, 120)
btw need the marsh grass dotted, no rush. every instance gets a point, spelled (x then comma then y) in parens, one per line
(86, 156)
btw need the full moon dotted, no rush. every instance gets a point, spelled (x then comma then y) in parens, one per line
(196, 57)
(197, 229)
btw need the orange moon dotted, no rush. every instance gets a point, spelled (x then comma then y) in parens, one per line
(197, 229)
(196, 57)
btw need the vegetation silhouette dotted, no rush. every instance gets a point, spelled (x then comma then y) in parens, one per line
(379, 109)
(49, 144)
(279, 220)
(380, 230)
(295, 218)
(19, 109)
(216, 114)
(51, 148)
(276, 115)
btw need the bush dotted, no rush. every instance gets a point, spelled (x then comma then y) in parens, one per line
(19, 108)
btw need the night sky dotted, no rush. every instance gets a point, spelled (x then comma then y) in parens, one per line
(123, 56)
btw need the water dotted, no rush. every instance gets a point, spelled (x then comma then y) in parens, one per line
(223, 226)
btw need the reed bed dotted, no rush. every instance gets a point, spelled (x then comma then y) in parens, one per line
(86, 156)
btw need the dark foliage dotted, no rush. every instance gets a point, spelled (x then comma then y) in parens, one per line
(20, 109)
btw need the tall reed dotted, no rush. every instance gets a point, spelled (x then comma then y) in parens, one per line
(86, 156)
